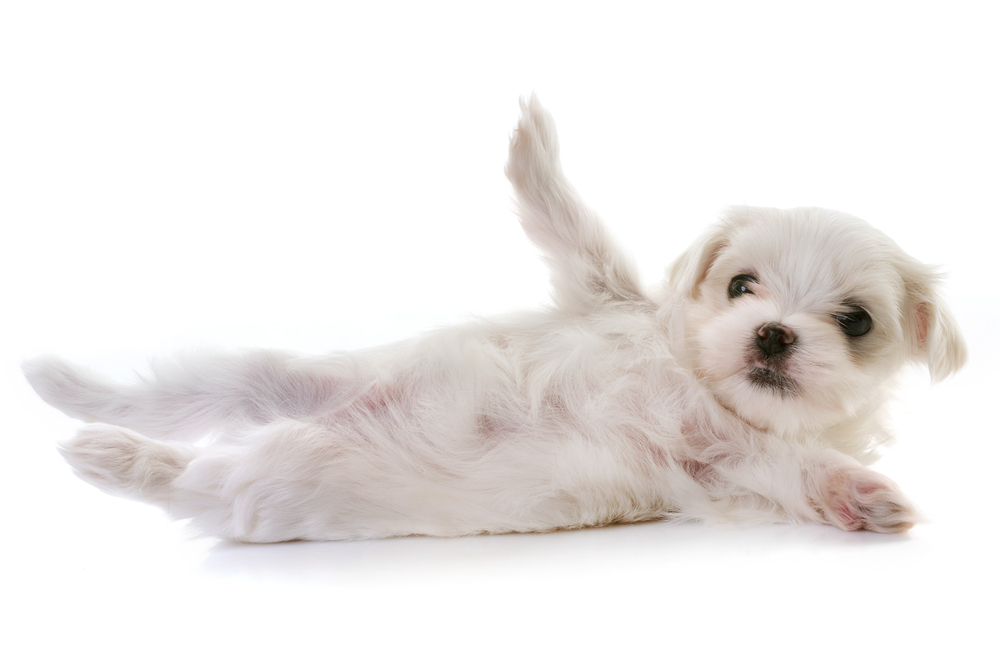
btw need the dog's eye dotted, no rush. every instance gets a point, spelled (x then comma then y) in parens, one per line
(740, 285)
(855, 323)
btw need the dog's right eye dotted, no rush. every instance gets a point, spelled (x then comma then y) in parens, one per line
(740, 285)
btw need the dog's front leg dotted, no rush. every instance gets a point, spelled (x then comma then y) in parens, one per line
(588, 269)
(853, 497)
(815, 486)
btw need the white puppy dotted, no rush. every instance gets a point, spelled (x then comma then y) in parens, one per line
(748, 389)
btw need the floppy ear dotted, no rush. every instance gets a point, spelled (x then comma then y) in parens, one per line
(689, 270)
(932, 332)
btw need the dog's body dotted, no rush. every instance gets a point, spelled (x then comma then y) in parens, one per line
(747, 389)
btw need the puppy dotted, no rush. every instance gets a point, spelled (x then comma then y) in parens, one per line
(748, 388)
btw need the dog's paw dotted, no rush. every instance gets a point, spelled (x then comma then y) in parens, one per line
(534, 147)
(122, 462)
(855, 498)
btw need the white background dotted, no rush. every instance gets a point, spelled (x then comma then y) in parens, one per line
(329, 175)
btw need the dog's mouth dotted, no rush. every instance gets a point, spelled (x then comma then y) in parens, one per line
(765, 378)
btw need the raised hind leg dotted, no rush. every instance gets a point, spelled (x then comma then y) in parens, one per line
(587, 267)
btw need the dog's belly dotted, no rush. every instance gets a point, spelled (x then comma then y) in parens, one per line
(513, 440)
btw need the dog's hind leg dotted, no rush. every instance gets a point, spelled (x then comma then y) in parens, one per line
(588, 269)
(275, 485)
(125, 463)
(188, 397)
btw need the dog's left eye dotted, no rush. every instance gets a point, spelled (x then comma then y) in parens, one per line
(740, 285)
(855, 323)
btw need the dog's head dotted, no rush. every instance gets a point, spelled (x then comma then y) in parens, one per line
(800, 317)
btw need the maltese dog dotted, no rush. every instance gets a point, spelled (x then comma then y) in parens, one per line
(748, 389)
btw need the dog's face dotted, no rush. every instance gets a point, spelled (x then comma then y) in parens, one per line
(800, 317)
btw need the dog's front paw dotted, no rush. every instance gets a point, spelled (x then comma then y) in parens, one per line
(856, 498)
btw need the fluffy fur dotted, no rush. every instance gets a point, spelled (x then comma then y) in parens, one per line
(615, 405)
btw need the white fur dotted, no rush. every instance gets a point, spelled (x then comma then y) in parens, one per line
(615, 405)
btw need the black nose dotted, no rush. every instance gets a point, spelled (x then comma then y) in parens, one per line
(774, 338)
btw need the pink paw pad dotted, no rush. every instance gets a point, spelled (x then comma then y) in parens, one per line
(859, 499)
(848, 519)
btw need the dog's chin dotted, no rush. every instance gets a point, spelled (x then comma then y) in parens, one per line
(768, 380)
(775, 399)
(770, 398)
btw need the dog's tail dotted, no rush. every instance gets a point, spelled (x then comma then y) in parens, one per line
(156, 409)
(125, 463)
(188, 397)
(73, 390)
(588, 268)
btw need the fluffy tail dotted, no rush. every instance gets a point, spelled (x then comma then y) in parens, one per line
(74, 391)
(188, 397)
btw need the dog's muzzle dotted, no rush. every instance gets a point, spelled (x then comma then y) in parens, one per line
(774, 339)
